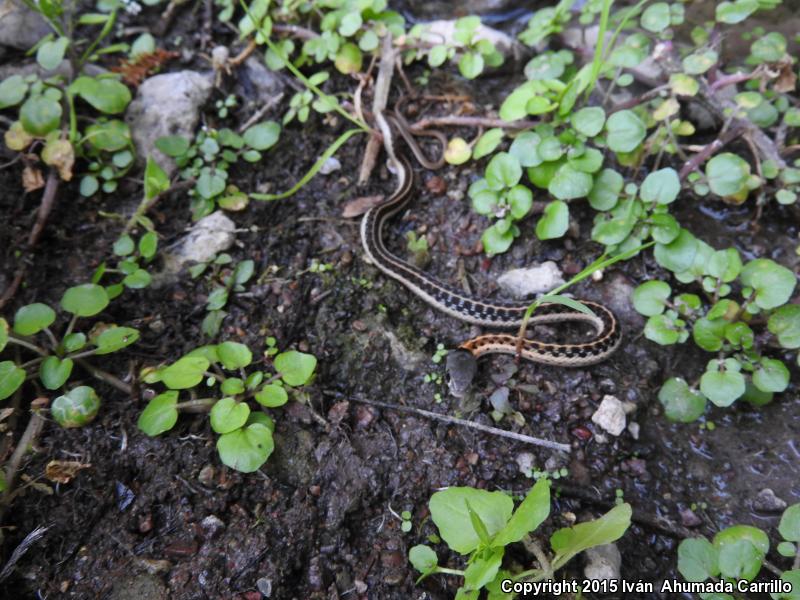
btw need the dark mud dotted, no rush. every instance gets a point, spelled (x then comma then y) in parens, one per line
(162, 518)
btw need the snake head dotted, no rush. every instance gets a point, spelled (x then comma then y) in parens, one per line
(460, 371)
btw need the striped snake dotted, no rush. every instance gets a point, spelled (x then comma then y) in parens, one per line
(463, 306)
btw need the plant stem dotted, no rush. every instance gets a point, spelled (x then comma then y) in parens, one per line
(28, 439)
(28, 345)
(106, 377)
(199, 405)
(53, 340)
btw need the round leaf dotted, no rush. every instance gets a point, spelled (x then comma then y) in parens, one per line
(54, 372)
(228, 415)
(76, 408)
(234, 355)
(625, 131)
(115, 338)
(661, 186)
(262, 135)
(784, 323)
(649, 298)
(85, 300)
(681, 404)
(106, 95)
(272, 396)
(160, 415)
(554, 222)
(722, 387)
(789, 527)
(569, 183)
(246, 449)
(40, 115)
(503, 171)
(772, 282)
(589, 121)
(185, 373)
(11, 377)
(656, 17)
(727, 174)
(771, 376)
(33, 318)
(296, 368)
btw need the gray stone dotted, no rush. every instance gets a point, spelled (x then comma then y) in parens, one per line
(610, 415)
(767, 502)
(20, 27)
(521, 283)
(257, 83)
(167, 104)
(603, 562)
(207, 238)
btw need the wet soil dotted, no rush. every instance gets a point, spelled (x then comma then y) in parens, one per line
(162, 518)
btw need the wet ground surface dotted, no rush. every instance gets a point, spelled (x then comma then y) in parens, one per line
(161, 518)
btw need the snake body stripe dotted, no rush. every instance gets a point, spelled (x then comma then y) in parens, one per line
(463, 306)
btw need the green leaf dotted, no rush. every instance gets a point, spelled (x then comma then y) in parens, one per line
(725, 265)
(727, 174)
(740, 560)
(625, 131)
(709, 334)
(525, 149)
(89, 186)
(148, 244)
(735, 12)
(496, 240)
(698, 560)
(272, 396)
(569, 541)
(12, 91)
(773, 283)
(246, 449)
(228, 415)
(663, 330)
(137, 280)
(423, 559)
(656, 17)
(700, 61)
(262, 136)
(156, 179)
(606, 189)
(589, 121)
(160, 414)
(106, 95)
(173, 145)
(450, 514)
(85, 300)
(3, 333)
(554, 222)
(569, 183)
(678, 255)
(33, 318)
(40, 115)
(487, 143)
(296, 368)
(123, 246)
(531, 513)
(482, 570)
(114, 339)
(503, 171)
(789, 526)
(680, 403)
(109, 136)
(234, 355)
(785, 324)
(232, 386)
(520, 200)
(350, 23)
(771, 376)
(144, 44)
(74, 342)
(661, 187)
(470, 65)
(76, 408)
(649, 298)
(11, 377)
(722, 387)
(185, 373)
(437, 55)
(54, 372)
(50, 54)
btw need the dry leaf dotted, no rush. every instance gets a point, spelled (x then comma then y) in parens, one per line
(358, 206)
(61, 155)
(787, 78)
(32, 179)
(63, 471)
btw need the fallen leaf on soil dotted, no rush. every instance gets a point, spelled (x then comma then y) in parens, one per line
(358, 206)
(787, 79)
(32, 179)
(63, 471)
(61, 155)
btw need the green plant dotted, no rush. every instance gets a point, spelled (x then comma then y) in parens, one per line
(736, 331)
(224, 282)
(207, 160)
(232, 382)
(46, 121)
(56, 356)
(730, 563)
(481, 525)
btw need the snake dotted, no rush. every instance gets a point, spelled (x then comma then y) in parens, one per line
(447, 298)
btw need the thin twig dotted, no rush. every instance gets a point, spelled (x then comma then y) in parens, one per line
(464, 121)
(526, 439)
(709, 150)
(106, 377)
(46, 206)
(27, 440)
(383, 84)
(268, 106)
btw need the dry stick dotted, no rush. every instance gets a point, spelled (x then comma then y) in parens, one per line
(28, 439)
(45, 208)
(380, 99)
(460, 121)
(106, 377)
(526, 439)
(709, 150)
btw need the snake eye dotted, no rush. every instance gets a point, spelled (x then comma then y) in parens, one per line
(447, 377)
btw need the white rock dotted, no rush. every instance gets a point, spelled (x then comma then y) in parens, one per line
(20, 27)
(603, 562)
(330, 165)
(167, 104)
(522, 283)
(207, 238)
(634, 430)
(525, 461)
(441, 32)
(610, 415)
